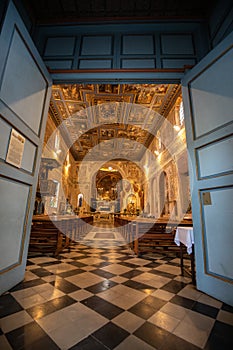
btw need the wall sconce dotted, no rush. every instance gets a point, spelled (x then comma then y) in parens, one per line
(56, 153)
(176, 127)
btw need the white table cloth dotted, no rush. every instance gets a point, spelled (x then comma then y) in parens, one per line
(185, 236)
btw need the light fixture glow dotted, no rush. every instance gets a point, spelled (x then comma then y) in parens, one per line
(176, 127)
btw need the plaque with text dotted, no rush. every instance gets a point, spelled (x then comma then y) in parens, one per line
(15, 149)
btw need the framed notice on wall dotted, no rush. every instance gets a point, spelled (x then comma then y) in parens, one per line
(15, 149)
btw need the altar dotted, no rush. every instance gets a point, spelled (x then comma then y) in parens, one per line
(105, 206)
(103, 217)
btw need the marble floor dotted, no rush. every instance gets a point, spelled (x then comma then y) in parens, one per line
(99, 296)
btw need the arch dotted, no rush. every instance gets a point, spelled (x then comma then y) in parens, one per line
(80, 200)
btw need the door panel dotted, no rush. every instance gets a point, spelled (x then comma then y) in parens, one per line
(29, 156)
(215, 237)
(14, 195)
(221, 150)
(211, 96)
(24, 99)
(208, 104)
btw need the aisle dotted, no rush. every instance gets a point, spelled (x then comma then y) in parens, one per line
(102, 235)
(96, 298)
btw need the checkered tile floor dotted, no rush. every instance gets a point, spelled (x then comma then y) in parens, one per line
(96, 298)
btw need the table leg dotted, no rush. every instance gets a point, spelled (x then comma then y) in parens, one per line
(181, 260)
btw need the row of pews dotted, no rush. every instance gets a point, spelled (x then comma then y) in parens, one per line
(150, 236)
(53, 234)
(147, 236)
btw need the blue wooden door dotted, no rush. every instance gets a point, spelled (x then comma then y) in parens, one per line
(24, 100)
(208, 105)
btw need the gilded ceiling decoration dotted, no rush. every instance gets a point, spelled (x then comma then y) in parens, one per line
(107, 121)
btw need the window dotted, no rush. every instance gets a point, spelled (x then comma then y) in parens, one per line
(181, 113)
(57, 141)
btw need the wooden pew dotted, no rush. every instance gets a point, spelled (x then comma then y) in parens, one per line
(56, 233)
(146, 236)
(48, 237)
(157, 237)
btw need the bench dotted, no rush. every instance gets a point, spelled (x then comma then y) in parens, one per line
(156, 237)
(46, 237)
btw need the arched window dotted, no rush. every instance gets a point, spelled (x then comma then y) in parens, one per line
(80, 200)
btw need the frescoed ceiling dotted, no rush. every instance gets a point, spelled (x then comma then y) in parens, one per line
(104, 121)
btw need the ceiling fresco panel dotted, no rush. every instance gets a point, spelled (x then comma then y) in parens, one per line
(96, 113)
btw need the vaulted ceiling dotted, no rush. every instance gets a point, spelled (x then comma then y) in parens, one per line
(103, 121)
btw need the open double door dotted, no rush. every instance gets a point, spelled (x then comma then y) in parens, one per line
(207, 90)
